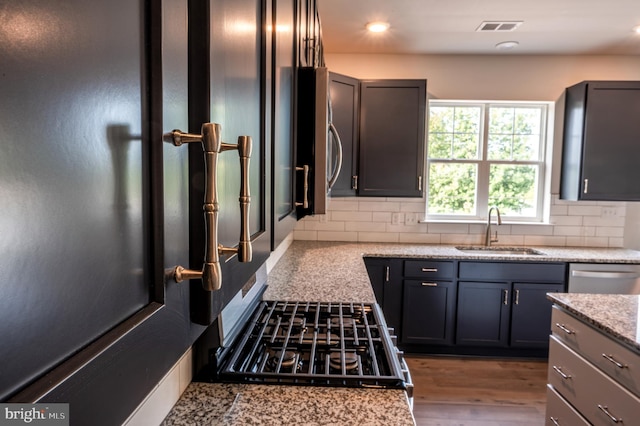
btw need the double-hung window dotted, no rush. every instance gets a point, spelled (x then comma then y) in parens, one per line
(485, 154)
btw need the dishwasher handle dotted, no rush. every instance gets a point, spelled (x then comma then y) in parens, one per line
(605, 274)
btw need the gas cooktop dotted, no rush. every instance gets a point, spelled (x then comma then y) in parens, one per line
(314, 343)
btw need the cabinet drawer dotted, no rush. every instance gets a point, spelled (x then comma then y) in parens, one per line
(513, 271)
(428, 269)
(560, 412)
(598, 398)
(612, 358)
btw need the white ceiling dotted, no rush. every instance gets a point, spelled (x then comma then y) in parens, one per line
(583, 27)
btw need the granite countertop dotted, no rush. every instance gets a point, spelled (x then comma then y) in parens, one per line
(616, 315)
(319, 271)
(243, 404)
(334, 272)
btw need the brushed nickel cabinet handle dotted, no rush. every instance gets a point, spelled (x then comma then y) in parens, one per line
(354, 184)
(562, 374)
(586, 186)
(212, 145)
(554, 421)
(429, 284)
(517, 296)
(387, 272)
(305, 201)
(505, 297)
(605, 410)
(429, 269)
(612, 360)
(244, 249)
(565, 329)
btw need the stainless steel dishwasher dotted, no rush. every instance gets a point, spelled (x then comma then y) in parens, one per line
(604, 278)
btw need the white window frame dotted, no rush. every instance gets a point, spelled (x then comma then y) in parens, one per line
(482, 190)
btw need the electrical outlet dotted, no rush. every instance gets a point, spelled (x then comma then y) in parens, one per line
(322, 218)
(411, 219)
(609, 212)
(396, 218)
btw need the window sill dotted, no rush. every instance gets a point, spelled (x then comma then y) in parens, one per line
(484, 222)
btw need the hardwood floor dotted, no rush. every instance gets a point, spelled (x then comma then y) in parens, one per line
(478, 392)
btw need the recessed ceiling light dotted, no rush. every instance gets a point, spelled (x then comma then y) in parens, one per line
(507, 45)
(378, 26)
(637, 29)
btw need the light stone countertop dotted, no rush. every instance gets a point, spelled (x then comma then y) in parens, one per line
(335, 272)
(242, 404)
(616, 315)
(317, 271)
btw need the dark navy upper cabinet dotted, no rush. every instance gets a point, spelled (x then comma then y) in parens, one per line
(97, 209)
(344, 95)
(95, 204)
(392, 137)
(601, 133)
(227, 86)
(282, 62)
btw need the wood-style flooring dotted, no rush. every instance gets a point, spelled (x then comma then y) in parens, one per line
(478, 392)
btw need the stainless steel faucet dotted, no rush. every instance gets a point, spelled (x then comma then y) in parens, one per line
(488, 239)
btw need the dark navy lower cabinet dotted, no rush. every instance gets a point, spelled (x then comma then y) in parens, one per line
(428, 315)
(385, 275)
(483, 314)
(531, 314)
(460, 307)
(504, 304)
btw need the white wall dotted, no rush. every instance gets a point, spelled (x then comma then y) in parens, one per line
(495, 77)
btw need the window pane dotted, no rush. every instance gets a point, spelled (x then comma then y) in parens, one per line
(440, 145)
(465, 146)
(526, 147)
(441, 119)
(499, 147)
(522, 126)
(452, 189)
(514, 189)
(501, 120)
(467, 132)
(454, 132)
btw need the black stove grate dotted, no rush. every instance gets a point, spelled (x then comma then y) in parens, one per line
(315, 343)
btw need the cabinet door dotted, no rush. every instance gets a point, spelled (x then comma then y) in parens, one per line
(600, 148)
(483, 314)
(428, 315)
(94, 212)
(386, 280)
(531, 314)
(227, 87)
(392, 137)
(344, 94)
(281, 75)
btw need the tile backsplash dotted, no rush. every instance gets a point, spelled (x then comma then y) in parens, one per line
(359, 219)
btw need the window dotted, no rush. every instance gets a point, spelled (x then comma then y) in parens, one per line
(485, 154)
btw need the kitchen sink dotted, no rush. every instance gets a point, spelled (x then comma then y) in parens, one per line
(522, 251)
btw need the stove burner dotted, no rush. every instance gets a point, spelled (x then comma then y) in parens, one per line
(297, 322)
(350, 361)
(346, 322)
(288, 360)
(362, 310)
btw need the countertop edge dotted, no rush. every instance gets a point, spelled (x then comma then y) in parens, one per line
(605, 312)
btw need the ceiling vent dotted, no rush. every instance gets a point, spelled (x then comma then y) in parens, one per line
(498, 26)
